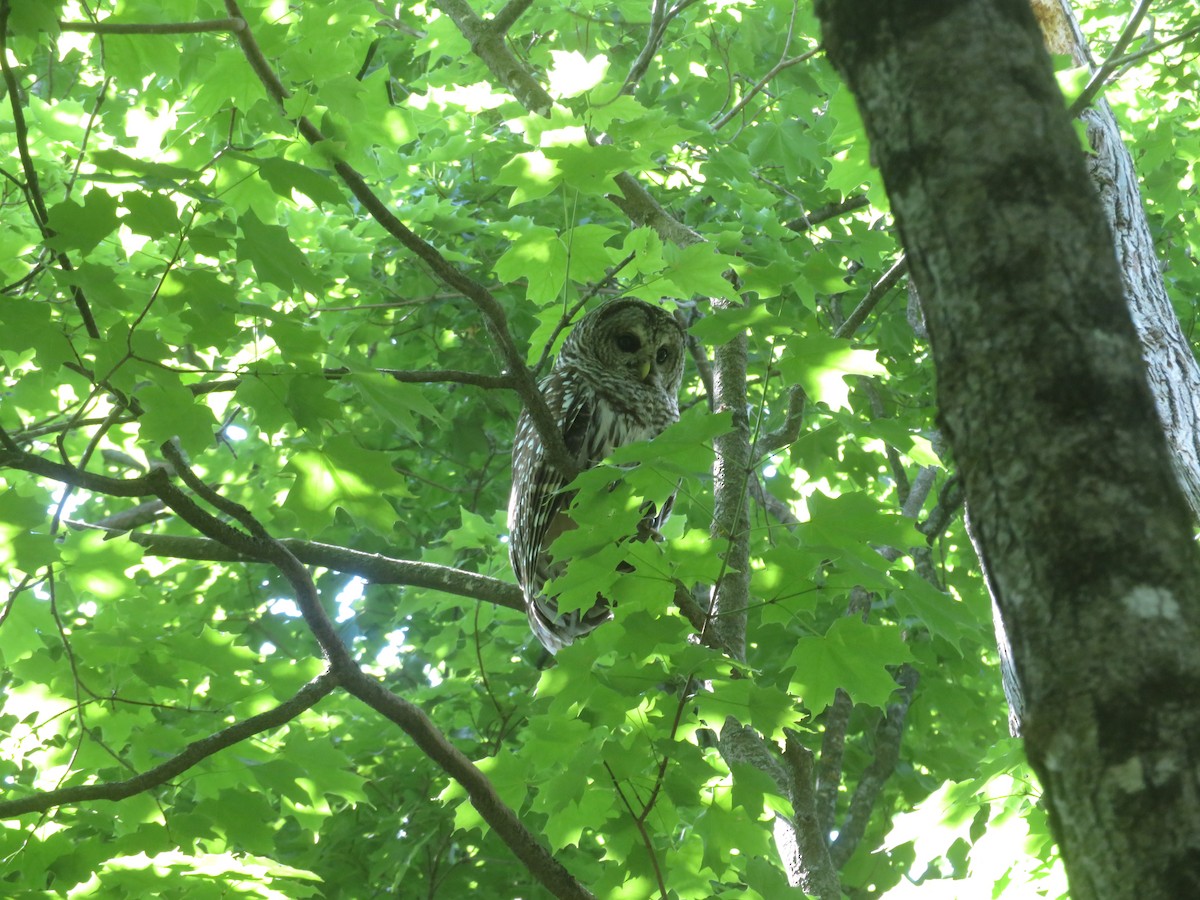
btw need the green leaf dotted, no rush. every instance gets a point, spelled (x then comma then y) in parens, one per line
(699, 270)
(286, 176)
(540, 258)
(114, 160)
(28, 17)
(722, 325)
(204, 304)
(589, 257)
(942, 613)
(821, 364)
(749, 787)
(532, 174)
(28, 323)
(857, 520)
(276, 259)
(81, 228)
(683, 447)
(311, 406)
(404, 405)
(342, 475)
(474, 532)
(169, 410)
(150, 214)
(852, 655)
(590, 169)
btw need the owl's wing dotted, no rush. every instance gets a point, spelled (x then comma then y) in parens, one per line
(538, 515)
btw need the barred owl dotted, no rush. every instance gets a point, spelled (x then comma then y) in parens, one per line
(615, 381)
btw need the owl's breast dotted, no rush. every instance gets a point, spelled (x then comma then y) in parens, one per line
(626, 417)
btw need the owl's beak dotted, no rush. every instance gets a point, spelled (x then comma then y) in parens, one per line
(644, 370)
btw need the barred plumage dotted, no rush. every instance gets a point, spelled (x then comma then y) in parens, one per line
(615, 381)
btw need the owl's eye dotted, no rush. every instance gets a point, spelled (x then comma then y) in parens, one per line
(662, 356)
(628, 343)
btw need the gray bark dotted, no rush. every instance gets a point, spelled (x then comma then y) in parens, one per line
(1045, 403)
(1171, 366)
(731, 513)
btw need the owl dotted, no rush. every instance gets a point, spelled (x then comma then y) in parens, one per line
(616, 381)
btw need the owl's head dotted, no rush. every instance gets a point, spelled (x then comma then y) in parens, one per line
(640, 343)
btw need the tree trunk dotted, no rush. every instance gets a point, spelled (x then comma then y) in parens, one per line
(1045, 404)
(1172, 368)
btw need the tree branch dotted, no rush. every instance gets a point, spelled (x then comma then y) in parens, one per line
(372, 567)
(450, 376)
(610, 275)
(639, 822)
(541, 864)
(411, 718)
(877, 292)
(660, 18)
(1154, 46)
(816, 872)
(887, 752)
(195, 752)
(801, 845)
(787, 432)
(204, 25)
(232, 546)
(406, 376)
(829, 768)
(827, 212)
(784, 62)
(32, 186)
(504, 20)
(732, 470)
(493, 313)
(487, 42)
(635, 201)
(949, 505)
(143, 486)
(1097, 82)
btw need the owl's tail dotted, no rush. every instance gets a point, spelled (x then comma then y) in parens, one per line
(556, 630)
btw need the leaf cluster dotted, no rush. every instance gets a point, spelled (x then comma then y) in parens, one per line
(181, 262)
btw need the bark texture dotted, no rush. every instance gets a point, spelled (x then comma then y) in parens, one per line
(1044, 401)
(1171, 366)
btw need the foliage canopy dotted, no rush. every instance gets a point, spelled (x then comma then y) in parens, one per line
(181, 260)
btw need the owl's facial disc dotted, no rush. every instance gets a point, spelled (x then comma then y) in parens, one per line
(633, 342)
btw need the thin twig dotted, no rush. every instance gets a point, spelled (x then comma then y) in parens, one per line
(826, 212)
(640, 824)
(154, 27)
(1154, 46)
(32, 185)
(609, 276)
(195, 752)
(750, 95)
(877, 292)
(1100, 76)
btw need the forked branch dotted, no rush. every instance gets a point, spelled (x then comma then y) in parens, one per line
(493, 313)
